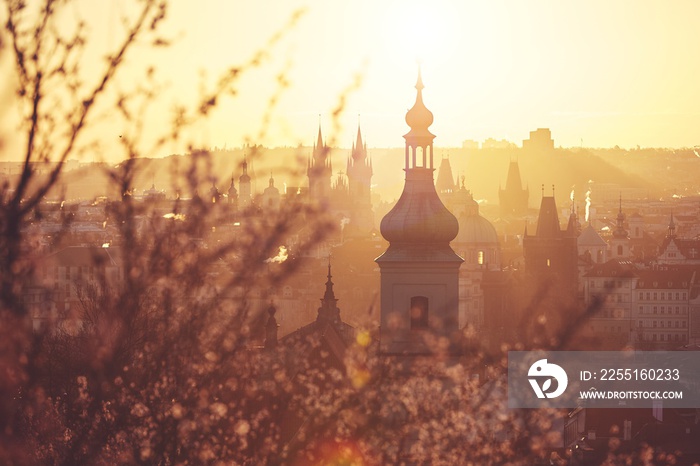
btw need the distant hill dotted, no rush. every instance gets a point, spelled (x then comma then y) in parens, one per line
(653, 172)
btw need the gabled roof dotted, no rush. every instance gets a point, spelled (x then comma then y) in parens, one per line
(690, 248)
(590, 237)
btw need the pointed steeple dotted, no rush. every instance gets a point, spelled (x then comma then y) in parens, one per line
(329, 312)
(359, 150)
(620, 231)
(513, 199)
(320, 152)
(445, 181)
(671, 228)
(329, 295)
(513, 181)
(548, 219)
(319, 139)
(573, 228)
(271, 329)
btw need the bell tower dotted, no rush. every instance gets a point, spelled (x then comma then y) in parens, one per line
(419, 270)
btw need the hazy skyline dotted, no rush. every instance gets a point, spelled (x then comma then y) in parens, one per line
(597, 73)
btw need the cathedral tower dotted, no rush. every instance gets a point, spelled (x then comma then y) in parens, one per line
(359, 171)
(245, 197)
(419, 270)
(319, 170)
(513, 199)
(551, 254)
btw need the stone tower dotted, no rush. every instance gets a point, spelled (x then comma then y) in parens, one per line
(419, 270)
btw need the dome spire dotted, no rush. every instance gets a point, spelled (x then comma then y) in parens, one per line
(620, 231)
(419, 217)
(419, 118)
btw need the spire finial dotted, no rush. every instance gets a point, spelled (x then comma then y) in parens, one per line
(419, 118)
(419, 81)
(620, 201)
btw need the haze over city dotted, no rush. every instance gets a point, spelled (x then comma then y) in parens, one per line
(362, 233)
(599, 74)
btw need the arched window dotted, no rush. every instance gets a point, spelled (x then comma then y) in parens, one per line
(619, 249)
(480, 258)
(419, 312)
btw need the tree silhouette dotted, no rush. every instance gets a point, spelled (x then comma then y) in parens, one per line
(164, 363)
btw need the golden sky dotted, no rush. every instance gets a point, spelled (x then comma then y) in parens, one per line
(600, 72)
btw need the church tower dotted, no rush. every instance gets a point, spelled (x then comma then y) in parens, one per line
(319, 170)
(419, 271)
(233, 195)
(359, 172)
(551, 254)
(513, 199)
(245, 197)
(620, 241)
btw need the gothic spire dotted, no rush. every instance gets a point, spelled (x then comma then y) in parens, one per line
(329, 295)
(329, 312)
(319, 139)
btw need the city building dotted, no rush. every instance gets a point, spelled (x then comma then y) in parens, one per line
(319, 170)
(551, 254)
(419, 270)
(540, 140)
(359, 172)
(514, 198)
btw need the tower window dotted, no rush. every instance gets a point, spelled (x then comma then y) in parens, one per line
(480, 257)
(619, 250)
(419, 312)
(548, 263)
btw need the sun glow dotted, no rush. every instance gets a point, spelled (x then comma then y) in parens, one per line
(418, 30)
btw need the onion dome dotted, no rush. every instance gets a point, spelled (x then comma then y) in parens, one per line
(271, 189)
(419, 216)
(419, 227)
(419, 118)
(477, 230)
